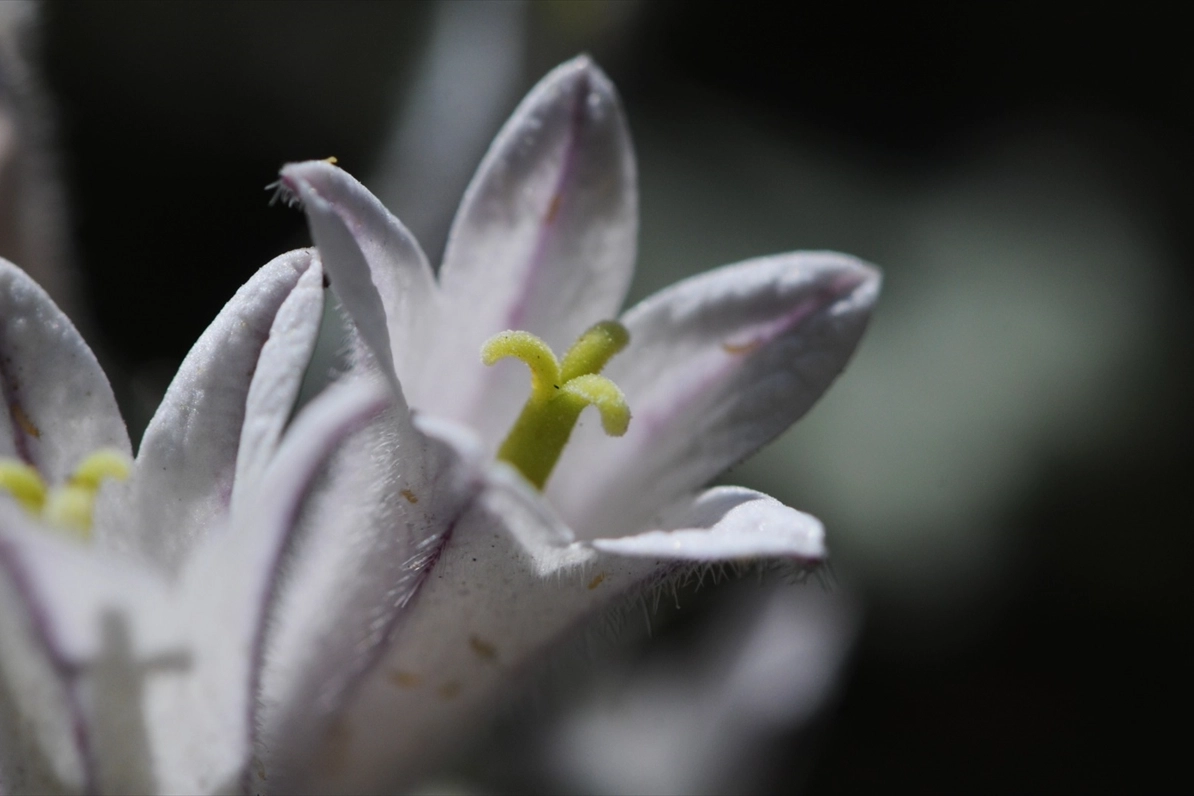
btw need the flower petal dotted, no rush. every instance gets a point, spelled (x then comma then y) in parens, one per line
(277, 379)
(100, 641)
(59, 406)
(717, 366)
(232, 580)
(43, 740)
(182, 481)
(375, 265)
(368, 547)
(544, 240)
(506, 587)
(725, 524)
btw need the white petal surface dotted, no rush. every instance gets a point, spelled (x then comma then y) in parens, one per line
(182, 481)
(717, 366)
(726, 524)
(111, 639)
(277, 379)
(58, 406)
(348, 268)
(544, 240)
(371, 541)
(230, 583)
(41, 746)
(396, 266)
(507, 586)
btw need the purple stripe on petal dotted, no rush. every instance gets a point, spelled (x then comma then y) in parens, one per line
(22, 426)
(287, 487)
(516, 317)
(717, 366)
(354, 597)
(41, 625)
(544, 241)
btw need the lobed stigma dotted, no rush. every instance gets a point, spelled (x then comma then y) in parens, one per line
(560, 389)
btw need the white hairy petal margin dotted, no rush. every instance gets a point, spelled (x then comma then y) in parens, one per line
(183, 477)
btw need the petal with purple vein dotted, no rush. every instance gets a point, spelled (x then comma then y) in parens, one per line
(717, 366)
(544, 240)
(386, 253)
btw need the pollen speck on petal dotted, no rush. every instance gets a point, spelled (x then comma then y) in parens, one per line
(484, 649)
(404, 679)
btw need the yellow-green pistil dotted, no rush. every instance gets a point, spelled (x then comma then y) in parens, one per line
(559, 391)
(70, 505)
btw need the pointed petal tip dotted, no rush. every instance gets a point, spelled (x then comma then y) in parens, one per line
(580, 74)
(579, 67)
(859, 284)
(850, 284)
(322, 180)
(306, 169)
(846, 271)
(305, 176)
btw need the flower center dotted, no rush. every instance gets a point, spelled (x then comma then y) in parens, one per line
(71, 505)
(559, 391)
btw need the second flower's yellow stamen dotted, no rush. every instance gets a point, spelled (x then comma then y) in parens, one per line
(24, 483)
(559, 391)
(71, 505)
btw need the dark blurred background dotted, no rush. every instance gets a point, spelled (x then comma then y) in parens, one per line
(1002, 471)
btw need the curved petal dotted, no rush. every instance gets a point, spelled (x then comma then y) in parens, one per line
(230, 583)
(378, 528)
(506, 587)
(277, 379)
(544, 240)
(59, 406)
(375, 265)
(347, 266)
(182, 481)
(717, 366)
(725, 524)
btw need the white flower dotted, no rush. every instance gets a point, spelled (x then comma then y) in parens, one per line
(461, 571)
(130, 646)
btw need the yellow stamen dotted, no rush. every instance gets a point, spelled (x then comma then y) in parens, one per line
(559, 392)
(24, 483)
(104, 463)
(70, 506)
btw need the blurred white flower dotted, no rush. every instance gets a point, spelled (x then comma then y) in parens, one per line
(464, 572)
(715, 713)
(132, 614)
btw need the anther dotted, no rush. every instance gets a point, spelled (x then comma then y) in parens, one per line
(559, 392)
(71, 505)
(24, 483)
